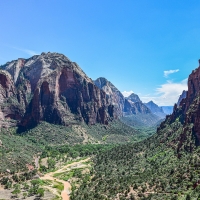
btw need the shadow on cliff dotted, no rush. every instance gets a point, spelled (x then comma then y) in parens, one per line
(22, 129)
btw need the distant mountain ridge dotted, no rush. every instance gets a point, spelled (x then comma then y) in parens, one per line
(124, 106)
(155, 109)
(131, 109)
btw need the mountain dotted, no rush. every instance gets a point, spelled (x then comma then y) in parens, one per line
(144, 117)
(182, 96)
(134, 98)
(131, 109)
(49, 87)
(167, 109)
(125, 106)
(134, 101)
(155, 109)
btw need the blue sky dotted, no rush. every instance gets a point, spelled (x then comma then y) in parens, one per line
(129, 42)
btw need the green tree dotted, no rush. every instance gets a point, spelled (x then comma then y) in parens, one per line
(35, 185)
(25, 195)
(51, 163)
(188, 197)
(8, 185)
(132, 197)
(16, 192)
(26, 186)
(40, 192)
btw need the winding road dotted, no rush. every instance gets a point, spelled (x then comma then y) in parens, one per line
(65, 194)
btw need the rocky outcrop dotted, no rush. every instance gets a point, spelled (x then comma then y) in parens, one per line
(155, 109)
(49, 87)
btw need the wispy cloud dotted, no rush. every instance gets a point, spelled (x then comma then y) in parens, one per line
(171, 71)
(127, 93)
(27, 51)
(167, 94)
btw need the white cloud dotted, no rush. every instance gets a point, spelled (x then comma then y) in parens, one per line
(30, 52)
(166, 73)
(27, 51)
(127, 93)
(167, 94)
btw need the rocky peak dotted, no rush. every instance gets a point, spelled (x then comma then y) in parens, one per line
(40, 66)
(155, 109)
(135, 106)
(134, 98)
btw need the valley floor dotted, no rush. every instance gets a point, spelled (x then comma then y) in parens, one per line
(52, 191)
(67, 186)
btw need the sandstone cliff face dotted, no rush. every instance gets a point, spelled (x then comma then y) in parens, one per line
(9, 105)
(49, 87)
(114, 96)
(188, 111)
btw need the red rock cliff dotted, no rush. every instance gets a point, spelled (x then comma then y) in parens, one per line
(50, 87)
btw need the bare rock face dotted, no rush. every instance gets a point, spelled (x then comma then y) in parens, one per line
(134, 105)
(131, 105)
(114, 96)
(10, 108)
(14, 68)
(49, 87)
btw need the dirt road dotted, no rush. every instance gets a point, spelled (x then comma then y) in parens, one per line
(67, 187)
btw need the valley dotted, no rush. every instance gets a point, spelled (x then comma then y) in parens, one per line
(65, 136)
